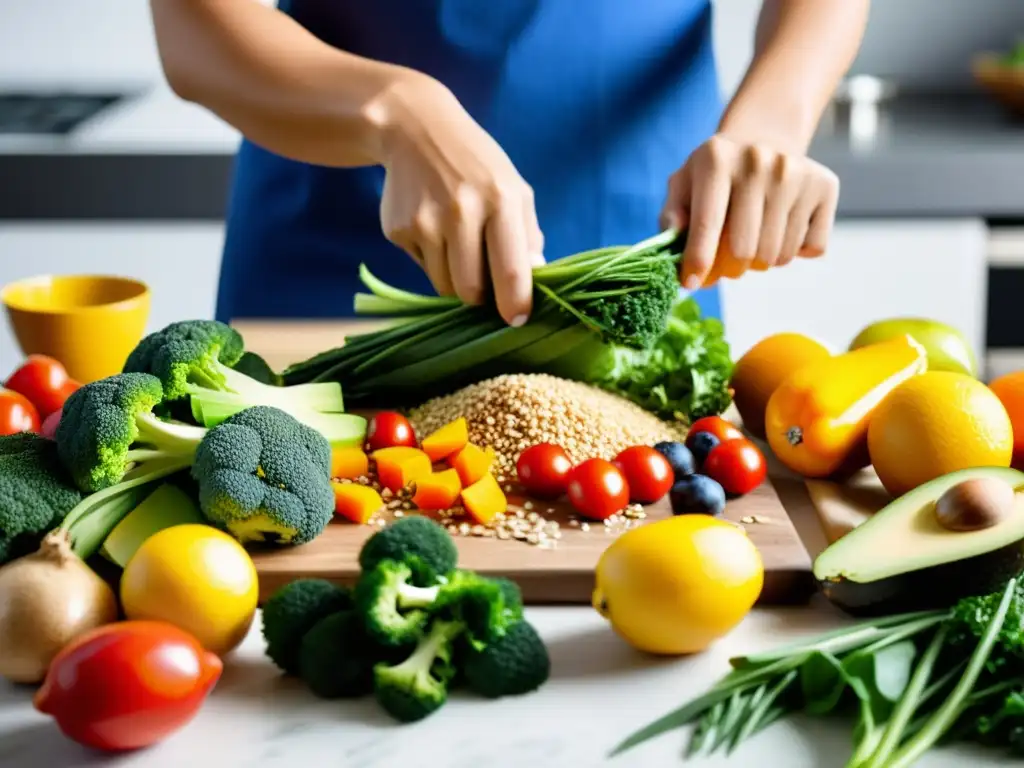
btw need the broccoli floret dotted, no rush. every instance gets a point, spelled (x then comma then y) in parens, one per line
(294, 609)
(418, 686)
(265, 477)
(337, 657)
(36, 492)
(108, 428)
(970, 618)
(414, 540)
(513, 664)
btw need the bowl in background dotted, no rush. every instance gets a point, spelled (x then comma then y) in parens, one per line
(90, 323)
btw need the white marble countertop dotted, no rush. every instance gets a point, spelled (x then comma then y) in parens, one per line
(600, 691)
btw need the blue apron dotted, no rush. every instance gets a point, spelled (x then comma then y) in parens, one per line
(596, 103)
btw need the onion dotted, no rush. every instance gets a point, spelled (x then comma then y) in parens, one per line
(48, 599)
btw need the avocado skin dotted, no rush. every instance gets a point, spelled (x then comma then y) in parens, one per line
(937, 587)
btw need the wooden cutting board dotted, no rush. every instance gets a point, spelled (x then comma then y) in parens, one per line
(563, 574)
(841, 507)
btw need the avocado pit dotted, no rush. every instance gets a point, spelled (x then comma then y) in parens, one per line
(974, 504)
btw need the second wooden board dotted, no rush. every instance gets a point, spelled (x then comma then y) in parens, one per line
(841, 507)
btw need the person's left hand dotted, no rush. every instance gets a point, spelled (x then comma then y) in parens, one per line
(746, 207)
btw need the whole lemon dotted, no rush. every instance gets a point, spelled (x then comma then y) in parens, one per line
(935, 423)
(196, 577)
(675, 586)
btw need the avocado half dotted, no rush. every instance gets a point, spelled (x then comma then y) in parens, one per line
(901, 559)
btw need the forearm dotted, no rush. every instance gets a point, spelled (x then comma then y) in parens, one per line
(803, 48)
(281, 87)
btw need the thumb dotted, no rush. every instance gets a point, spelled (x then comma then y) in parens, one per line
(675, 214)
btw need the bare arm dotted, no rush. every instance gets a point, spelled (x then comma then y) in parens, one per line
(262, 72)
(802, 50)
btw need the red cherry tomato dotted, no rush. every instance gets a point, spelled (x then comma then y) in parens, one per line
(17, 414)
(45, 382)
(717, 426)
(127, 685)
(648, 473)
(543, 470)
(597, 489)
(389, 429)
(737, 465)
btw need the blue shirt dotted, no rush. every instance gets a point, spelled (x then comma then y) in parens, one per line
(595, 102)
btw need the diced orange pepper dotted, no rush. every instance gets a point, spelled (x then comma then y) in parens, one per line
(484, 499)
(448, 440)
(817, 419)
(472, 463)
(400, 466)
(349, 463)
(356, 502)
(437, 491)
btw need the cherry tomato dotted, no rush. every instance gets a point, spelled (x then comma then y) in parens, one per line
(17, 414)
(45, 382)
(737, 465)
(127, 685)
(597, 489)
(389, 429)
(543, 470)
(717, 426)
(648, 473)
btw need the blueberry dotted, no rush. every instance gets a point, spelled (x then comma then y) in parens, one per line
(697, 495)
(679, 458)
(700, 444)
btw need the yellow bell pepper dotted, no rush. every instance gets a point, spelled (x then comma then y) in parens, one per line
(817, 419)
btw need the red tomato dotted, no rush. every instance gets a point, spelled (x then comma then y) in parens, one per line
(717, 426)
(598, 489)
(737, 465)
(648, 473)
(17, 414)
(389, 429)
(127, 685)
(44, 381)
(543, 470)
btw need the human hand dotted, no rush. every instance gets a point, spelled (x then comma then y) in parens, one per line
(456, 204)
(748, 207)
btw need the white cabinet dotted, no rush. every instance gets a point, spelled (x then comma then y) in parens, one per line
(179, 261)
(874, 269)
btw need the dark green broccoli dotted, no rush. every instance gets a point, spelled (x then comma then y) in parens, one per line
(514, 664)
(971, 616)
(108, 429)
(337, 657)
(294, 609)
(417, 541)
(418, 686)
(36, 492)
(265, 477)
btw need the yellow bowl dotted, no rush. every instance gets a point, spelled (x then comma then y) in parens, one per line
(90, 323)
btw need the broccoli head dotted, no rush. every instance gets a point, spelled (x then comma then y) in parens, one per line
(265, 477)
(513, 664)
(418, 686)
(36, 492)
(294, 609)
(970, 619)
(108, 427)
(417, 541)
(337, 657)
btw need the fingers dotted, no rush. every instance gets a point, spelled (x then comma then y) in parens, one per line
(509, 262)
(746, 214)
(534, 236)
(822, 219)
(465, 252)
(709, 205)
(677, 202)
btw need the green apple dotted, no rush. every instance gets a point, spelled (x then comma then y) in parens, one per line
(947, 347)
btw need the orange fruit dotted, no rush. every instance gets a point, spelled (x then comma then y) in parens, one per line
(1009, 388)
(936, 423)
(763, 367)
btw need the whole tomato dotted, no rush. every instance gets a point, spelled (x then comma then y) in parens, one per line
(127, 685)
(17, 414)
(737, 465)
(44, 381)
(715, 425)
(389, 429)
(543, 470)
(597, 489)
(648, 473)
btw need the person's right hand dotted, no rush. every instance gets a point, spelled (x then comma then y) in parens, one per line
(455, 203)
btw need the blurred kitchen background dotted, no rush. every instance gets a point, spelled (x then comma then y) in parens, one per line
(118, 176)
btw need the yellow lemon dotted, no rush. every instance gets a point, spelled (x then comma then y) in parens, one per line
(676, 586)
(934, 424)
(196, 577)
